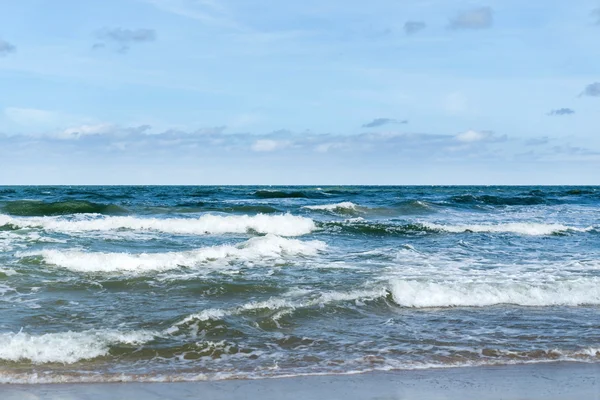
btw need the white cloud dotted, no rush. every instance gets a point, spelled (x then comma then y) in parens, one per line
(85, 130)
(265, 145)
(137, 141)
(471, 136)
(477, 18)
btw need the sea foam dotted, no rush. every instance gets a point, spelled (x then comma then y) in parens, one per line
(521, 228)
(65, 347)
(413, 293)
(344, 206)
(254, 249)
(291, 301)
(283, 225)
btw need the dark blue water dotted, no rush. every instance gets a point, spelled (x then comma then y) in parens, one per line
(183, 283)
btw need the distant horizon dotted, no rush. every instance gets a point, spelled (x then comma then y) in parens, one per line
(304, 185)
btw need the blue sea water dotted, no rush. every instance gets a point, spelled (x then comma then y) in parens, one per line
(145, 283)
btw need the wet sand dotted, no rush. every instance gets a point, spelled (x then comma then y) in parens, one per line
(572, 381)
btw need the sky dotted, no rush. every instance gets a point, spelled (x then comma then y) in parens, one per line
(417, 92)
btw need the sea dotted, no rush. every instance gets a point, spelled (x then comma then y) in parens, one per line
(185, 283)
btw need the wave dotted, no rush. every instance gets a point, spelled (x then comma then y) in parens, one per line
(528, 200)
(66, 347)
(269, 247)
(414, 207)
(28, 208)
(283, 225)
(360, 364)
(280, 194)
(289, 302)
(363, 227)
(521, 228)
(419, 294)
(258, 208)
(345, 207)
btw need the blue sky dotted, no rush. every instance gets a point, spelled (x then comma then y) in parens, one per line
(311, 92)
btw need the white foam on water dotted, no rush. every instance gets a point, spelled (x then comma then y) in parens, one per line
(283, 225)
(343, 206)
(8, 271)
(65, 347)
(521, 228)
(255, 249)
(291, 300)
(474, 293)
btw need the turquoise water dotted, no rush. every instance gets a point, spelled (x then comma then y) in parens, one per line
(186, 283)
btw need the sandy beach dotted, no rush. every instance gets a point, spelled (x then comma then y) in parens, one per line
(552, 381)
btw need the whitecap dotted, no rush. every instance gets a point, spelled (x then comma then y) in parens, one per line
(521, 228)
(65, 347)
(260, 248)
(283, 225)
(473, 293)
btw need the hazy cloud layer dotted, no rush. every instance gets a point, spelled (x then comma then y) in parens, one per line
(137, 141)
(562, 111)
(593, 90)
(377, 122)
(123, 38)
(477, 18)
(412, 27)
(539, 141)
(6, 48)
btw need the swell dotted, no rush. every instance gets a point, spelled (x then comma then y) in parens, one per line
(282, 194)
(347, 208)
(29, 208)
(240, 209)
(363, 227)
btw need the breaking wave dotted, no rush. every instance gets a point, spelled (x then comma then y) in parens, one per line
(418, 294)
(260, 248)
(345, 207)
(283, 225)
(521, 228)
(361, 226)
(66, 347)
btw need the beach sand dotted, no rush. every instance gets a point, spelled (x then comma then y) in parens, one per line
(573, 381)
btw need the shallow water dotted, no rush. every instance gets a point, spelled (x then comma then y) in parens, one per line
(185, 283)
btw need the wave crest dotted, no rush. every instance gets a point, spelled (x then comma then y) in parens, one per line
(283, 225)
(261, 248)
(417, 294)
(66, 347)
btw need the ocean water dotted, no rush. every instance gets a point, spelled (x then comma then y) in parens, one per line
(191, 283)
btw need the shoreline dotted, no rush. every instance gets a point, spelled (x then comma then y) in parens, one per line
(548, 381)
